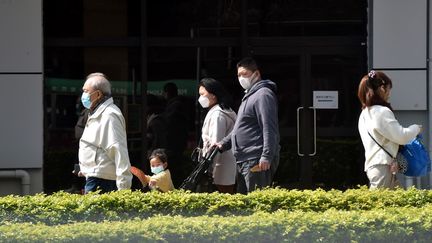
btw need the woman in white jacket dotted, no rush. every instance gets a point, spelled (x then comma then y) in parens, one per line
(378, 122)
(218, 123)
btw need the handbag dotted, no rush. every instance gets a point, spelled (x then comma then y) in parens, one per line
(417, 157)
(413, 158)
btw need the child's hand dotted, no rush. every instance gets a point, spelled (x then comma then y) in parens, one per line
(152, 183)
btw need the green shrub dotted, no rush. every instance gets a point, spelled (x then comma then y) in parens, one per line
(377, 225)
(60, 208)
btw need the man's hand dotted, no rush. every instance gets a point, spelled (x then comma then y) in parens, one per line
(264, 165)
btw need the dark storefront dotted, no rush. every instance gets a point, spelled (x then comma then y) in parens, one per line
(304, 46)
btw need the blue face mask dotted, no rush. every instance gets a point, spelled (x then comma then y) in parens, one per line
(157, 169)
(85, 99)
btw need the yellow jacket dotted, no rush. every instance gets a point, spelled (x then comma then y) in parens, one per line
(163, 181)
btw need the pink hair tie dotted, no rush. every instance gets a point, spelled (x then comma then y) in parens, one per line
(372, 74)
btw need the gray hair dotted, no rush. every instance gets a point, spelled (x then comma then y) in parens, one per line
(100, 82)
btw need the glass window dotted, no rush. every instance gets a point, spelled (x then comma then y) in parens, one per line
(306, 18)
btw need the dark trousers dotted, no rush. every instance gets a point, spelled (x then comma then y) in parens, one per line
(248, 181)
(94, 184)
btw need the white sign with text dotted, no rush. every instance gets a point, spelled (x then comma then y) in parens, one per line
(325, 99)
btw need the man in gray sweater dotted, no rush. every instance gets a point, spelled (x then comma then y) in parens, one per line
(255, 136)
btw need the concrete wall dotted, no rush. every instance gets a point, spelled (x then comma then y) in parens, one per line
(14, 186)
(21, 95)
(398, 45)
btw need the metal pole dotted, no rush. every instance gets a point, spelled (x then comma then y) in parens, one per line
(198, 77)
(243, 28)
(429, 86)
(197, 109)
(144, 77)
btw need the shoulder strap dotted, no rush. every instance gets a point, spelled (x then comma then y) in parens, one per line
(378, 143)
(380, 146)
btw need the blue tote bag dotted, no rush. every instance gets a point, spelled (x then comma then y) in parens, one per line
(417, 158)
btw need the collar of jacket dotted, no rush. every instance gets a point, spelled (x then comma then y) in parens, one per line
(101, 107)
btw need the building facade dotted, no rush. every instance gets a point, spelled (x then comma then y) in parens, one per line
(315, 51)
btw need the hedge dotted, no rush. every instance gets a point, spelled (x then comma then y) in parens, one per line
(377, 225)
(61, 208)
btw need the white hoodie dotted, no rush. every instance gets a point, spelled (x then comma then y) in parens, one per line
(103, 146)
(381, 123)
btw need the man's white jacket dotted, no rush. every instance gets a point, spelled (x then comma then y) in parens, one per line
(381, 123)
(103, 146)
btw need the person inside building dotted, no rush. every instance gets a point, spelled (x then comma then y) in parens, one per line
(255, 137)
(157, 134)
(177, 119)
(218, 123)
(380, 132)
(77, 181)
(103, 154)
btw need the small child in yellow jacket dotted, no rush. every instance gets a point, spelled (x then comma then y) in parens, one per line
(161, 178)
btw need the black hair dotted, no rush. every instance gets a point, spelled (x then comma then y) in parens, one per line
(217, 89)
(248, 63)
(171, 89)
(159, 153)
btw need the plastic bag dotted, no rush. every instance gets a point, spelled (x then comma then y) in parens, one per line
(417, 157)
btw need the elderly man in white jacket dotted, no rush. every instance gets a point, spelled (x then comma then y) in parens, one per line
(103, 154)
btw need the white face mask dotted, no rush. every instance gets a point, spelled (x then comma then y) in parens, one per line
(246, 83)
(204, 101)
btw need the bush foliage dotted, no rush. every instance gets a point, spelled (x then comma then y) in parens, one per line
(270, 215)
(60, 208)
(377, 225)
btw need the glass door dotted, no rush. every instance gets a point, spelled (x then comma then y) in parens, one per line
(318, 112)
(338, 154)
(285, 70)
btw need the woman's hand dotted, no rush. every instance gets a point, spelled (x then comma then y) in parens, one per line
(218, 145)
(394, 168)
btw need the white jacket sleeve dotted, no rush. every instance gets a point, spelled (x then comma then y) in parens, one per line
(118, 152)
(122, 164)
(387, 125)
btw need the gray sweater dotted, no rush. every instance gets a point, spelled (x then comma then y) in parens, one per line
(256, 131)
